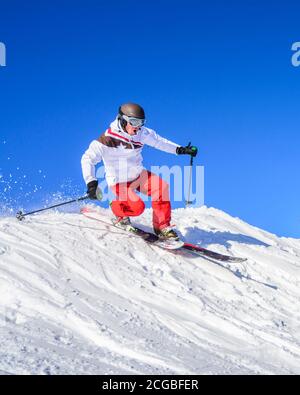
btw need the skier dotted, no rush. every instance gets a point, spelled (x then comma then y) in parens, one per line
(120, 149)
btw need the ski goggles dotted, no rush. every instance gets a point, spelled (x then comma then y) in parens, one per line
(135, 122)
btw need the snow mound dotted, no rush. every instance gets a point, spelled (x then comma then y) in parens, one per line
(80, 297)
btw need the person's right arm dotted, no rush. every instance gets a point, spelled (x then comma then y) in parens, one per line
(89, 159)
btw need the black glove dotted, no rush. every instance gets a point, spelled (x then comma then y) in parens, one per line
(91, 191)
(188, 150)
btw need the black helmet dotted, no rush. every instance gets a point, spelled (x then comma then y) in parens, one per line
(132, 113)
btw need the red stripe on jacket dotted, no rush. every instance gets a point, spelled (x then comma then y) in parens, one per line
(122, 137)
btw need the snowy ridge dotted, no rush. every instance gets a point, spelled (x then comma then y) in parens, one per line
(78, 296)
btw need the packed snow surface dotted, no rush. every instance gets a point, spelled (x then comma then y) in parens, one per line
(78, 296)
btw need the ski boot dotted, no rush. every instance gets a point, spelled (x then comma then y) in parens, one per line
(167, 233)
(124, 223)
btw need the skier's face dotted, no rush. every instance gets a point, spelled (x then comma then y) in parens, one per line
(131, 130)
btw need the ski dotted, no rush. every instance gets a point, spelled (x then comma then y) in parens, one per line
(211, 254)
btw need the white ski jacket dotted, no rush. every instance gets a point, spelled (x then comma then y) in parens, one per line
(121, 153)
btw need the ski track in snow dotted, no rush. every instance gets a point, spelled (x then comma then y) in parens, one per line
(81, 297)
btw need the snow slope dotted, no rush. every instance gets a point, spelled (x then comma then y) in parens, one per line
(80, 297)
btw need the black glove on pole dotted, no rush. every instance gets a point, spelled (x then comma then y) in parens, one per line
(188, 150)
(92, 188)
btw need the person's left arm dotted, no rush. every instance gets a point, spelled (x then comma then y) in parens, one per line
(150, 137)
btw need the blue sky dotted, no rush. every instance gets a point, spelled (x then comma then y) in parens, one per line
(218, 74)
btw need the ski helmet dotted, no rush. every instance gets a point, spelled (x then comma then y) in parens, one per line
(132, 113)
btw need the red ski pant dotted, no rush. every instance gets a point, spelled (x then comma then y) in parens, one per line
(129, 204)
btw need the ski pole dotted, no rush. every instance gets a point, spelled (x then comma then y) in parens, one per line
(20, 216)
(188, 202)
